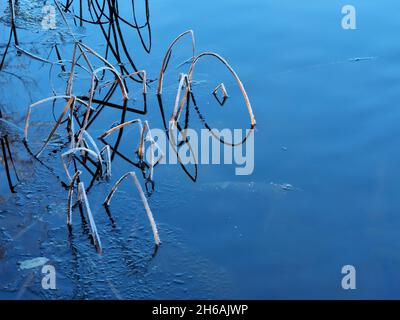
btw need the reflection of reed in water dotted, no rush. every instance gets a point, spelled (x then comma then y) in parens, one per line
(13, 32)
(9, 131)
(108, 17)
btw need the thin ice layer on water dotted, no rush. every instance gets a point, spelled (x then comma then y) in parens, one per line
(9, 129)
(30, 15)
(127, 270)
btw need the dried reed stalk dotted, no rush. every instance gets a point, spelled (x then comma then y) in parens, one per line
(221, 87)
(153, 146)
(107, 151)
(143, 129)
(173, 124)
(69, 106)
(83, 198)
(241, 87)
(168, 54)
(120, 126)
(70, 193)
(72, 152)
(143, 198)
(38, 103)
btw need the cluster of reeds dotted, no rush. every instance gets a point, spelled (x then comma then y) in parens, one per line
(106, 15)
(185, 98)
(83, 150)
(83, 153)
